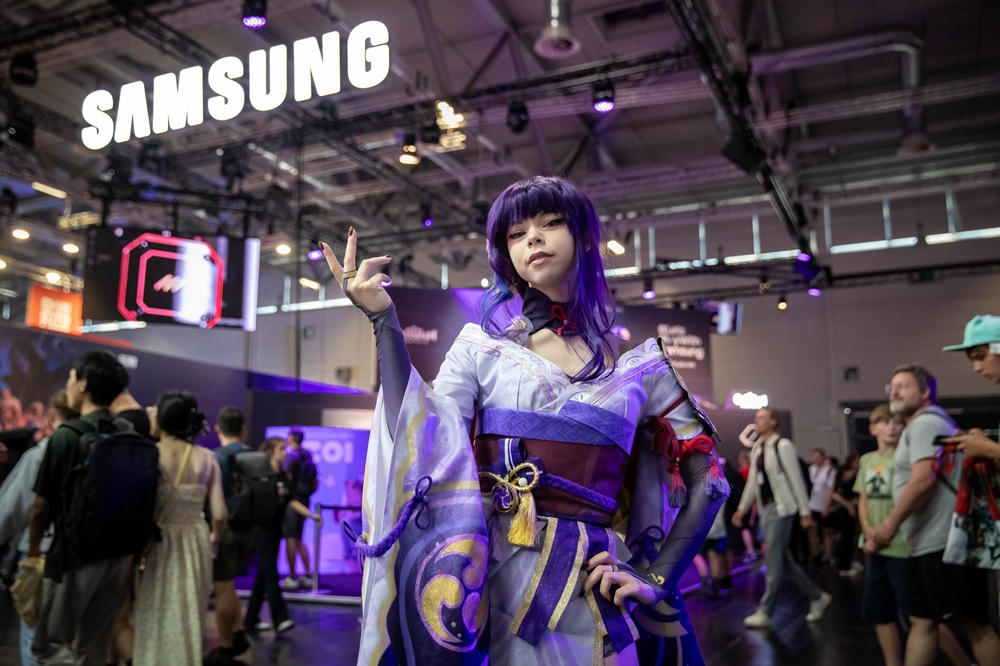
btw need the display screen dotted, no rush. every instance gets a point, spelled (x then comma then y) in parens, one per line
(141, 275)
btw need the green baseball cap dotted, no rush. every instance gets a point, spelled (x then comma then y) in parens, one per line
(981, 330)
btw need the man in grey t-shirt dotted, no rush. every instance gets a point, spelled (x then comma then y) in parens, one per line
(939, 592)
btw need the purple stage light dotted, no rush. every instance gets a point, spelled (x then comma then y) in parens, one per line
(804, 256)
(604, 106)
(428, 222)
(649, 294)
(813, 291)
(255, 14)
(254, 22)
(315, 255)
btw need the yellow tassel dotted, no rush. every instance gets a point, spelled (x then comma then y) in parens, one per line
(522, 529)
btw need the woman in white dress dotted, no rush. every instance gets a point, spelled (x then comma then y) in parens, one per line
(172, 596)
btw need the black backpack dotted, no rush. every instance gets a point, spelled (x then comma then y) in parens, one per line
(110, 499)
(308, 477)
(253, 498)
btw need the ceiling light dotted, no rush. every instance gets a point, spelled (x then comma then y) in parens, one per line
(46, 189)
(484, 283)
(3, 264)
(24, 69)
(53, 277)
(71, 248)
(20, 234)
(782, 303)
(309, 284)
(648, 293)
(255, 14)
(315, 255)
(409, 154)
(815, 291)
(604, 96)
(517, 117)
(283, 249)
(426, 215)
(615, 246)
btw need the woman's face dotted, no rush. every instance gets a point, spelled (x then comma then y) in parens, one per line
(543, 253)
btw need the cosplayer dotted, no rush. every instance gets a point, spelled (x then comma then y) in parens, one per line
(510, 551)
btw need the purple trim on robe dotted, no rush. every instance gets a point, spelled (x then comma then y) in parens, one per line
(576, 422)
(615, 622)
(557, 571)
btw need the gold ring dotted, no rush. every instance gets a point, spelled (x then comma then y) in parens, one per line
(349, 274)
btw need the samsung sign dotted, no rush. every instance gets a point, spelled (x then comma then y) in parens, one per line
(179, 99)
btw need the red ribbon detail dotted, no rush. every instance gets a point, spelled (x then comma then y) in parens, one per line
(560, 314)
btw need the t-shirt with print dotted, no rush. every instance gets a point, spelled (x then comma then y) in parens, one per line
(875, 473)
(926, 530)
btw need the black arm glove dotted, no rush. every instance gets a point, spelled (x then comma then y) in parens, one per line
(393, 359)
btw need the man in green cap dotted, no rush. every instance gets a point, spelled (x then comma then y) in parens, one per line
(982, 346)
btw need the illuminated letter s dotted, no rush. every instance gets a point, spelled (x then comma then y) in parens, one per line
(102, 127)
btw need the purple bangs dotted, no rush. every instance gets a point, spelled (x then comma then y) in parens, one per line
(592, 306)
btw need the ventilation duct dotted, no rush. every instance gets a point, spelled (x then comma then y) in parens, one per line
(557, 40)
(915, 141)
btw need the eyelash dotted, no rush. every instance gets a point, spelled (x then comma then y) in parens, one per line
(553, 222)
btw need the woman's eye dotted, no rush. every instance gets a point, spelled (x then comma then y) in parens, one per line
(515, 234)
(556, 221)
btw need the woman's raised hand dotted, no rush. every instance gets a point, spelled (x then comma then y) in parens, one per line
(362, 284)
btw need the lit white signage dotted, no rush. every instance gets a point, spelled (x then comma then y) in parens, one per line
(749, 400)
(179, 99)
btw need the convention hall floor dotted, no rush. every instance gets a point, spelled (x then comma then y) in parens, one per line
(330, 634)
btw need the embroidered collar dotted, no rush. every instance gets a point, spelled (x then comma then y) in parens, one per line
(542, 312)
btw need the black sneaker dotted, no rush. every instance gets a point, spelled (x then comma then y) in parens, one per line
(240, 643)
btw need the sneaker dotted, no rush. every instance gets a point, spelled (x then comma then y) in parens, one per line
(759, 620)
(289, 583)
(284, 626)
(306, 582)
(262, 626)
(240, 643)
(818, 607)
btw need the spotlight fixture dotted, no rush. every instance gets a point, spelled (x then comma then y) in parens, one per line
(782, 303)
(255, 14)
(21, 129)
(426, 215)
(764, 285)
(20, 234)
(430, 134)
(24, 69)
(284, 249)
(484, 283)
(815, 291)
(648, 293)
(604, 96)
(315, 255)
(517, 117)
(53, 277)
(3, 264)
(71, 248)
(615, 246)
(230, 167)
(409, 155)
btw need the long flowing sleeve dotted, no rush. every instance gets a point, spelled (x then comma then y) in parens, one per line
(425, 539)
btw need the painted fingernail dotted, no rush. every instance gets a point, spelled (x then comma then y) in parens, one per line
(351, 232)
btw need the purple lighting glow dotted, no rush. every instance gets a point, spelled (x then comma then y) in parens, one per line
(315, 255)
(813, 291)
(254, 22)
(804, 256)
(604, 106)
(649, 294)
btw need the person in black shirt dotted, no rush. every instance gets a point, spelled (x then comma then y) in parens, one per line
(267, 541)
(79, 599)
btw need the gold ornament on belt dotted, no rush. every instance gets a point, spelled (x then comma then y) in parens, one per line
(513, 494)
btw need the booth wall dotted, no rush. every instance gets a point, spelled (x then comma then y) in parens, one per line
(799, 357)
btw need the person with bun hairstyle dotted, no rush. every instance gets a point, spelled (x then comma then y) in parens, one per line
(172, 594)
(267, 541)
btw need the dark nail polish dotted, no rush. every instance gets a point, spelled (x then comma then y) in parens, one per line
(351, 232)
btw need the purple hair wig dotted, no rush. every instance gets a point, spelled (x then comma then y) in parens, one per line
(591, 304)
